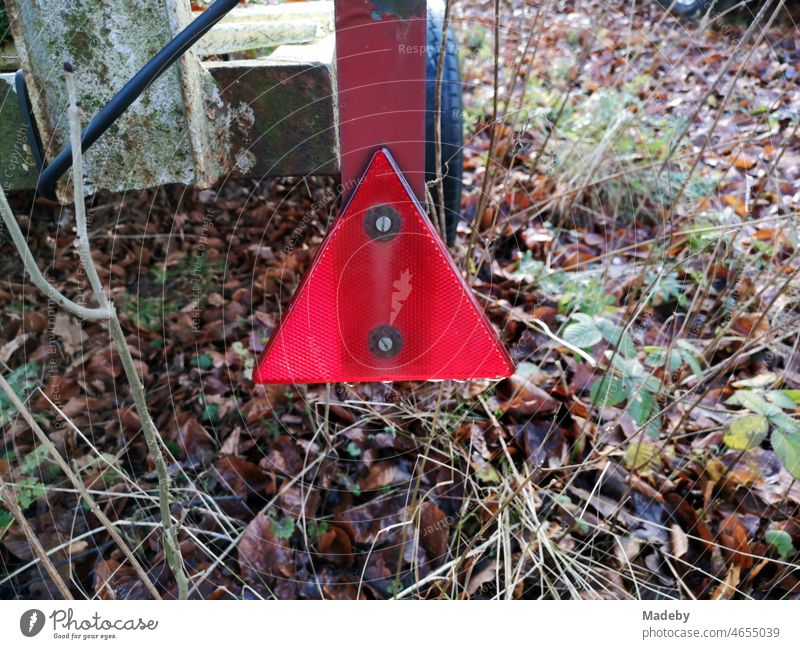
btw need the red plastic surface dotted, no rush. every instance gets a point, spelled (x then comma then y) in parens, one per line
(357, 284)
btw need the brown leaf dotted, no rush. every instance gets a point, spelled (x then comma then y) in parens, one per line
(241, 477)
(382, 474)
(263, 557)
(544, 443)
(733, 535)
(335, 546)
(71, 333)
(744, 161)
(434, 532)
(113, 580)
(196, 442)
(525, 398)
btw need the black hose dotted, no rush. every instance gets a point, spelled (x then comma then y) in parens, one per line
(101, 122)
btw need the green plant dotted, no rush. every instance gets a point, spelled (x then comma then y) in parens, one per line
(26, 491)
(781, 541)
(665, 289)
(683, 353)
(22, 381)
(283, 528)
(203, 362)
(630, 382)
(584, 293)
(764, 409)
(586, 331)
(144, 312)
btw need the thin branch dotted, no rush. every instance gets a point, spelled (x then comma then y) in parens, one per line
(37, 278)
(78, 484)
(10, 501)
(437, 121)
(172, 551)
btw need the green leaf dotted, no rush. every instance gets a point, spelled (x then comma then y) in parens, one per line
(29, 490)
(691, 360)
(655, 356)
(618, 337)
(173, 447)
(22, 380)
(781, 399)
(283, 528)
(203, 361)
(794, 395)
(781, 541)
(755, 402)
(6, 518)
(608, 392)
(674, 361)
(353, 449)
(651, 383)
(746, 432)
(211, 413)
(787, 448)
(582, 334)
(32, 460)
(526, 369)
(784, 422)
(689, 347)
(640, 406)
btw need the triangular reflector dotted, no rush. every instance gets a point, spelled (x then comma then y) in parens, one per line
(383, 300)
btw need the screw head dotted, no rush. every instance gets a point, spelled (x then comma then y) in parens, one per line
(382, 222)
(385, 341)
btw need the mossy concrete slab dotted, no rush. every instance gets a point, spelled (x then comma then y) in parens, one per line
(166, 135)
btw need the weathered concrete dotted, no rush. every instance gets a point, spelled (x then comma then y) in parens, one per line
(283, 111)
(279, 118)
(199, 122)
(164, 136)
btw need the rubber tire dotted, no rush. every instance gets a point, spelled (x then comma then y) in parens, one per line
(452, 120)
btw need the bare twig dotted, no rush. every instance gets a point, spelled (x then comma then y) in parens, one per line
(437, 121)
(172, 550)
(10, 501)
(78, 484)
(36, 275)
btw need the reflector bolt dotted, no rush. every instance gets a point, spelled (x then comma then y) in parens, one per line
(385, 341)
(382, 222)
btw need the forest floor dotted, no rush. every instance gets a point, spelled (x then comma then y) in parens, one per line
(637, 250)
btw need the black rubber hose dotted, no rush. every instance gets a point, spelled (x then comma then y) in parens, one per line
(101, 122)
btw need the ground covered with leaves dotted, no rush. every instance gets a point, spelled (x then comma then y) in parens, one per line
(633, 180)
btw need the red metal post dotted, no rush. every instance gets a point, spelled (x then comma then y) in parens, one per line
(380, 68)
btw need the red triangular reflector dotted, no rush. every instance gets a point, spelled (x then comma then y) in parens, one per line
(383, 300)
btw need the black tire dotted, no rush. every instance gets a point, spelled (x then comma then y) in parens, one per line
(452, 121)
